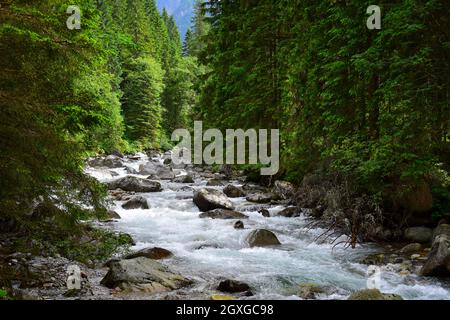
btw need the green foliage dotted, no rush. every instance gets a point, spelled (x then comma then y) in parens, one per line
(370, 105)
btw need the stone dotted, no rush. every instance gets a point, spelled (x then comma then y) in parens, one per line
(151, 253)
(136, 203)
(142, 275)
(239, 225)
(309, 291)
(233, 191)
(113, 215)
(411, 248)
(233, 286)
(373, 294)
(210, 199)
(284, 189)
(290, 212)
(184, 179)
(438, 262)
(265, 213)
(223, 214)
(262, 238)
(134, 184)
(260, 197)
(419, 234)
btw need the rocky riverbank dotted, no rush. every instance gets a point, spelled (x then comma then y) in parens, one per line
(220, 232)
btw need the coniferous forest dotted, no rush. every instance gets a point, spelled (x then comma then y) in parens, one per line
(87, 114)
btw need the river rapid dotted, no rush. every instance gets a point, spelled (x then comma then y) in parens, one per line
(208, 251)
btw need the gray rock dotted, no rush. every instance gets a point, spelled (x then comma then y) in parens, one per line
(261, 197)
(142, 274)
(262, 238)
(163, 173)
(438, 262)
(108, 162)
(419, 234)
(284, 189)
(137, 202)
(151, 253)
(184, 179)
(210, 199)
(233, 191)
(133, 184)
(223, 214)
(149, 168)
(290, 212)
(233, 286)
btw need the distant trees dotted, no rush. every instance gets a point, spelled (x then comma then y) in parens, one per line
(368, 105)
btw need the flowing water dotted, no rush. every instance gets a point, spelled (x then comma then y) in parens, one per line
(209, 251)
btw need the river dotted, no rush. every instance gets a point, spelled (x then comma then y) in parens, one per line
(209, 251)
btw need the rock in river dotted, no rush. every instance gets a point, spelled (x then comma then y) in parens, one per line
(419, 234)
(262, 238)
(233, 191)
(143, 274)
(239, 225)
(290, 212)
(261, 197)
(133, 184)
(151, 253)
(223, 214)
(233, 286)
(373, 294)
(210, 199)
(438, 263)
(136, 203)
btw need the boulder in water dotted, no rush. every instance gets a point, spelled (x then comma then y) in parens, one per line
(262, 238)
(184, 179)
(108, 162)
(411, 248)
(210, 199)
(223, 214)
(233, 286)
(261, 197)
(233, 191)
(373, 294)
(137, 202)
(419, 234)
(290, 212)
(438, 263)
(239, 225)
(151, 253)
(265, 213)
(285, 190)
(142, 274)
(133, 184)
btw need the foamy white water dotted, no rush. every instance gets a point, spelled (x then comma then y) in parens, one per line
(208, 250)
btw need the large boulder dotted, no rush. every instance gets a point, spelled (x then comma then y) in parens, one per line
(150, 168)
(142, 274)
(285, 190)
(137, 202)
(261, 197)
(411, 248)
(233, 191)
(223, 214)
(163, 173)
(151, 253)
(419, 234)
(133, 184)
(262, 238)
(290, 212)
(438, 263)
(373, 294)
(210, 199)
(233, 286)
